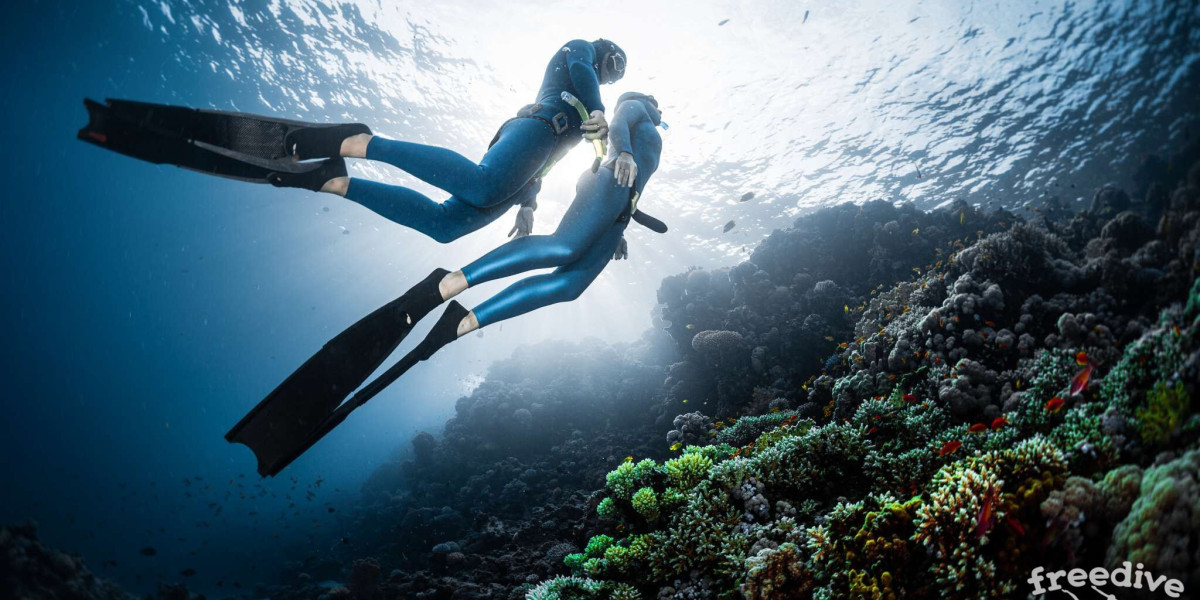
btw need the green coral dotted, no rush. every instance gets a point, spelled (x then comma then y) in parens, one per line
(628, 477)
(715, 452)
(686, 471)
(597, 545)
(608, 509)
(1166, 406)
(645, 502)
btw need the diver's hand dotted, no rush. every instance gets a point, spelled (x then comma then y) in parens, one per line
(595, 128)
(524, 224)
(626, 169)
(622, 252)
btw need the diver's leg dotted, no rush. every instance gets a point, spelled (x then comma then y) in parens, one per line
(520, 152)
(444, 222)
(598, 202)
(563, 285)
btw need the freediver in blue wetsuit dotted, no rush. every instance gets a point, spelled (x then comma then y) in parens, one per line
(510, 173)
(590, 234)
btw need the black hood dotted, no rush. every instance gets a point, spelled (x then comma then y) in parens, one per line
(605, 47)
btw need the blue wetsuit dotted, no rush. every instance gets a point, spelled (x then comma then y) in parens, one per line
(588, 234)
(507, 174)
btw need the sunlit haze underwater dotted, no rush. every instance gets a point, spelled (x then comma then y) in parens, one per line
(148, 308)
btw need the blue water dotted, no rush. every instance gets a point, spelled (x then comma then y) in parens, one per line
(147, 308)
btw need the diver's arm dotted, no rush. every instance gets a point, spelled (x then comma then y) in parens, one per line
(581, 66)
(629, 114)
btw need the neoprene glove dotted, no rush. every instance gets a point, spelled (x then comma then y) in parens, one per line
(524, 223)
(595, 128)
(622, 252)
(626, 169)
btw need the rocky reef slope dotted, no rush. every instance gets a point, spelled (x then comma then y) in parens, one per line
(880, 403)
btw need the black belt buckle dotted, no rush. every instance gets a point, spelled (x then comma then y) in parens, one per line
(559, 123)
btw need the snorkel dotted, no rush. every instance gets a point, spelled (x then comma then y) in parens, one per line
(597, 145)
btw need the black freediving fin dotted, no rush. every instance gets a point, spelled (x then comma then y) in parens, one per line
(649, 222)
(227, 144)
(277, 447)
(138, 138)
(276, 429)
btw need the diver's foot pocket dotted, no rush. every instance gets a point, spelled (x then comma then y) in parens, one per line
(443, 332)
(321, 141)
(310, 180)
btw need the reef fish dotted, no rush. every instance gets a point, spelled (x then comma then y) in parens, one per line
(149, 551)
(910, 398)
(977, 428)
(1081, 359)
(1080, 380)
(949, 447)
(998, 423)
(1054, 404)
(987, 512)
(728, 226)
(747, 196)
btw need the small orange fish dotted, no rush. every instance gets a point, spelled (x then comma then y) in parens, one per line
(1055, 404)
(1080, 380)
(1081, 359)
(1176, 329)
(990, 323)
(998, 423)
(676, 446)
(977, 428)
(987, 512)
(950, 447)
(910, 398)
(872, 430)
